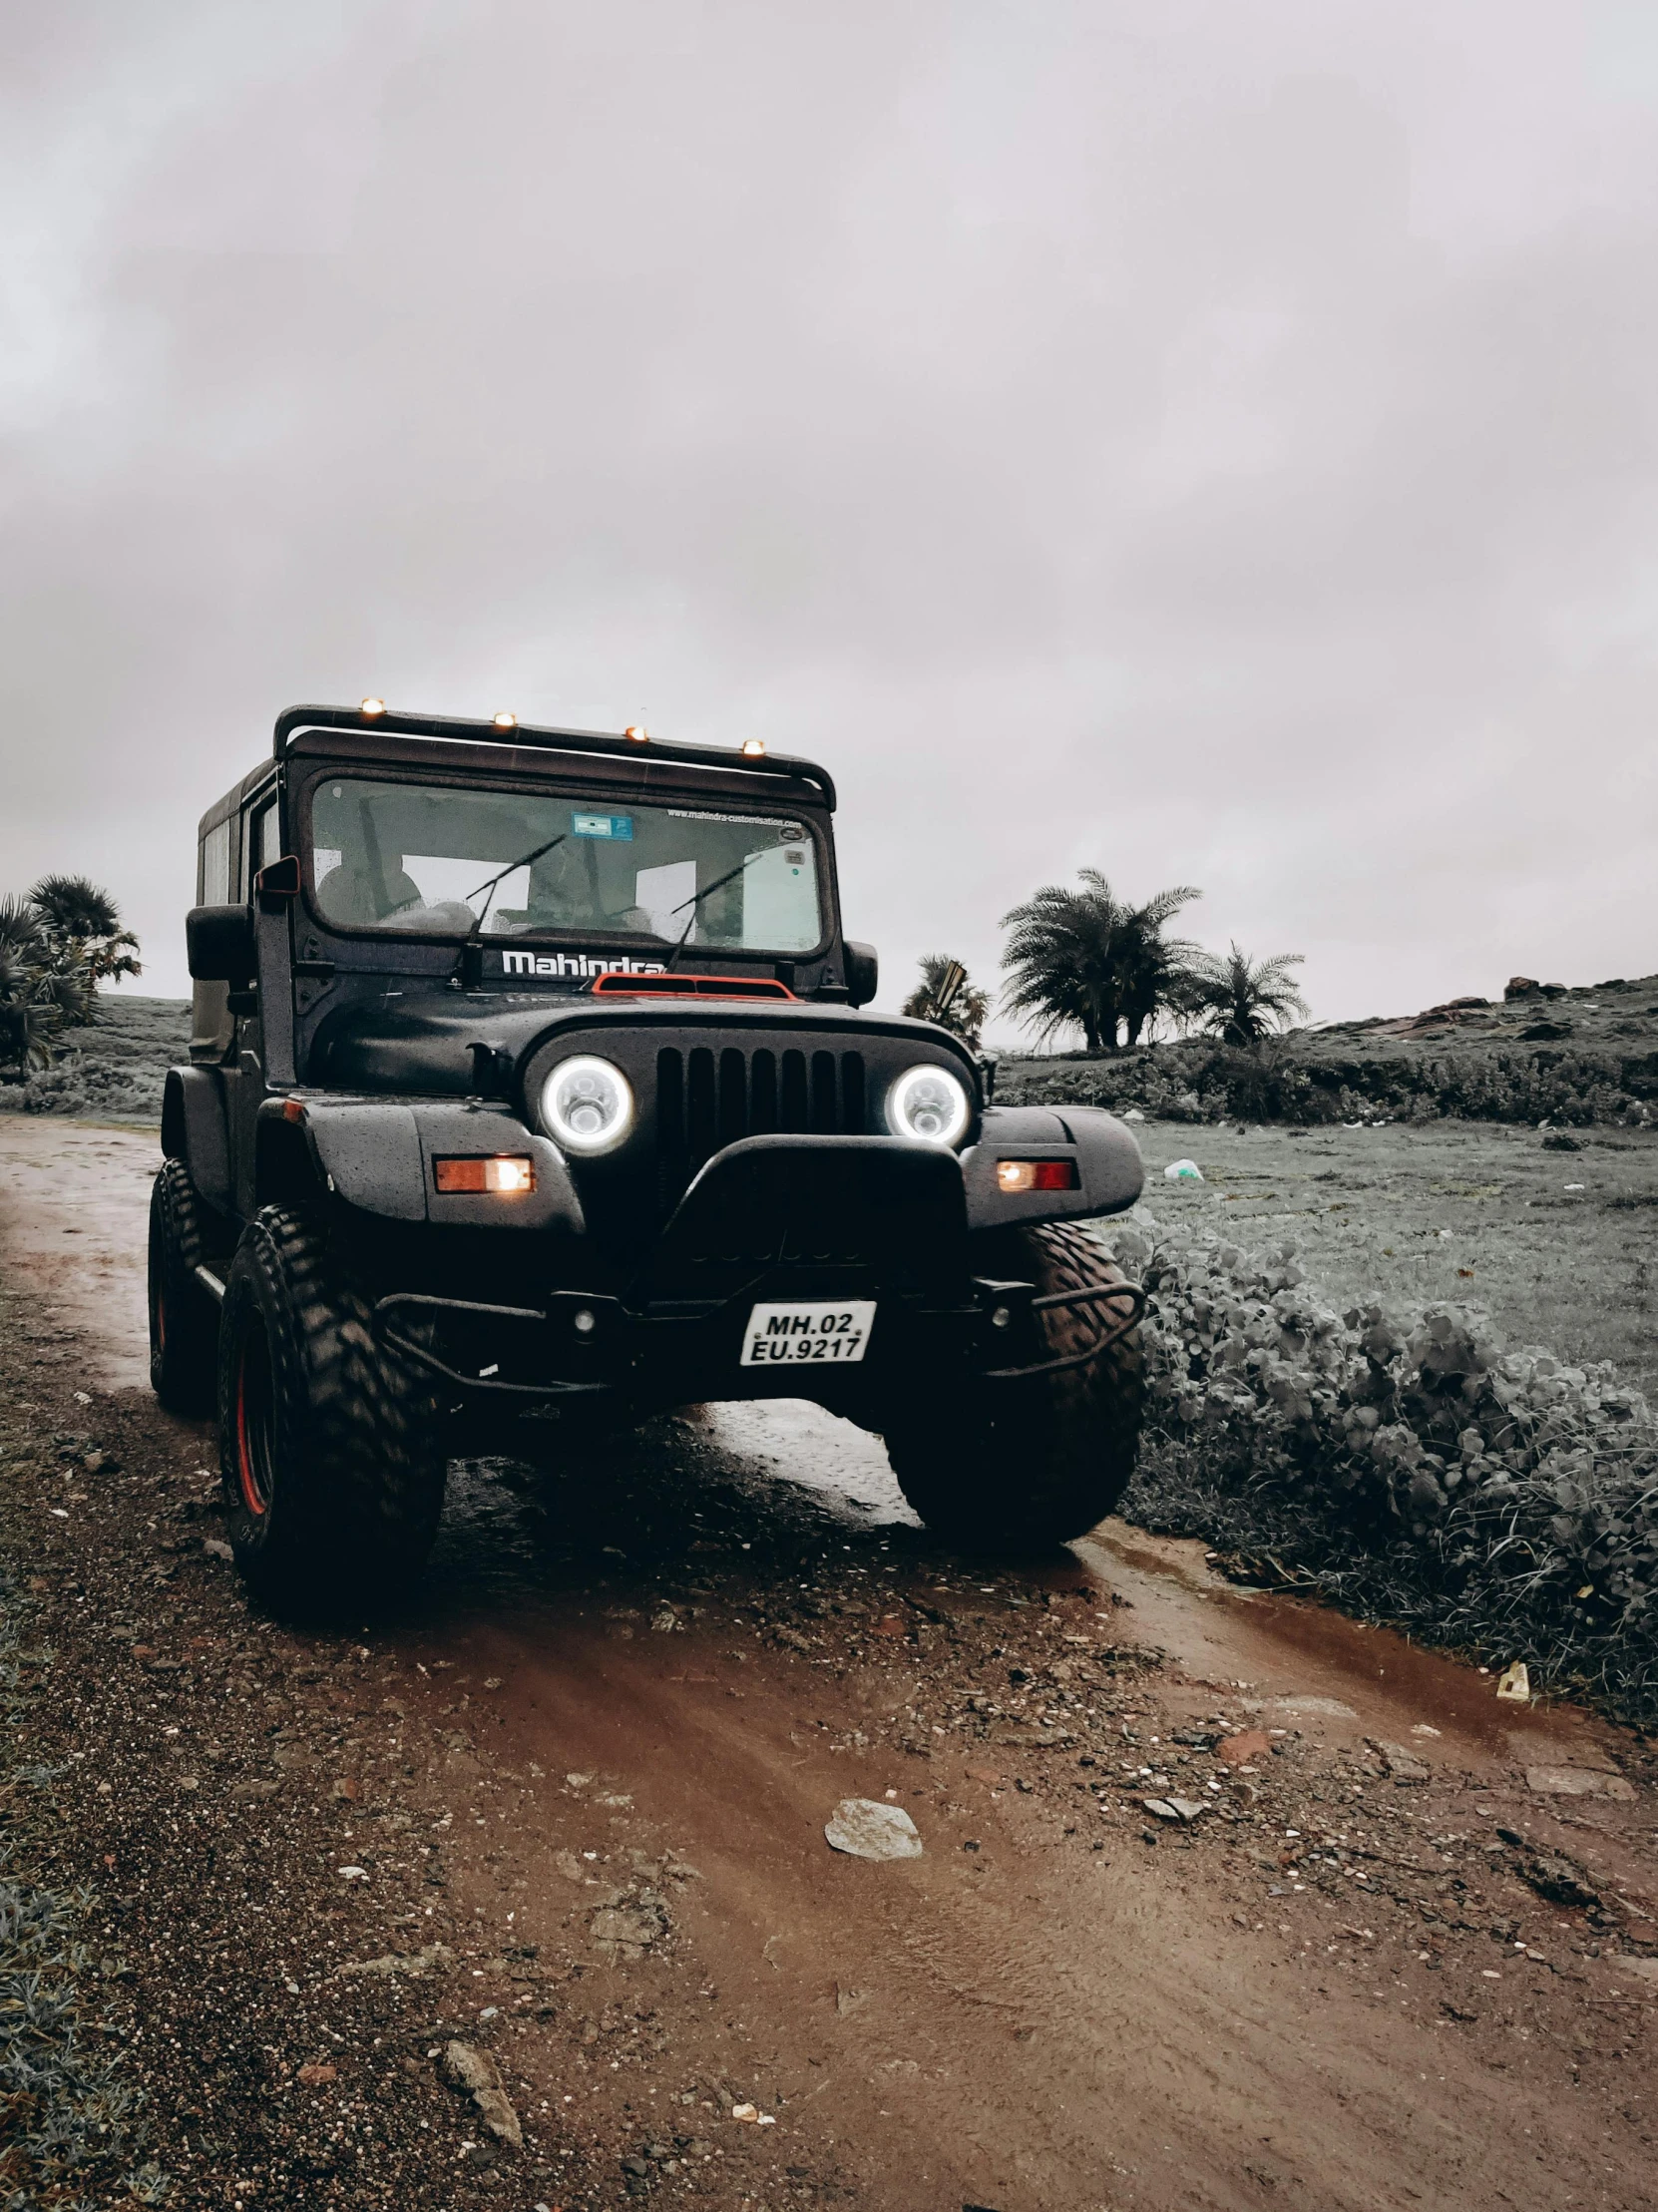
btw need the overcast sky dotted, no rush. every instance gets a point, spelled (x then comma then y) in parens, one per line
(1212, 441)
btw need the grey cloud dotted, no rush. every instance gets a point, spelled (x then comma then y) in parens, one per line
(1206, 444)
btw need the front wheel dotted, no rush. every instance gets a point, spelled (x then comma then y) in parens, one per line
(328, 1441)
(1004, 1464)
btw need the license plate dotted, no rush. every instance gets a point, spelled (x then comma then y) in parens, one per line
(802, 1335)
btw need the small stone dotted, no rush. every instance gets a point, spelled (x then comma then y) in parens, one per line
(414, 1961)
(315, 2075)
(1241, 1750)
(473, 2069)
(866, 1829)
(1404, 1766)
(216, 1549)
(1578, 1782)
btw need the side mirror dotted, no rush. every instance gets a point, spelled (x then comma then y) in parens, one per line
(863, 972)
(220, 942)
(278, 881)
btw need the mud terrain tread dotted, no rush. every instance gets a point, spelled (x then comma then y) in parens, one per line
(1038, 1461)
(360, 1470)
(183, 1354)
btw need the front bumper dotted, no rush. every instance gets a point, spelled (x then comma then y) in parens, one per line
(678, 1352)
(769, 1220)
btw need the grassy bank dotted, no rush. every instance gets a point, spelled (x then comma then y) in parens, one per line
(1411, 1371)
(111, 1068)
(1579, 1059)
(1404, 1216)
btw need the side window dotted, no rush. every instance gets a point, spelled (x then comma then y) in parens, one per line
(264, 842)
(214, 879)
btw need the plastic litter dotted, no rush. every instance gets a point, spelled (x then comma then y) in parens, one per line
(1183, 1170)
(1514, 1685)
(866, 1829)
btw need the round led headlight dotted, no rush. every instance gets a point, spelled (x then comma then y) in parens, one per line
(587, 1105)
(930, 1106)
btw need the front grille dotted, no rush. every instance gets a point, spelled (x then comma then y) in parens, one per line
(706, 1100)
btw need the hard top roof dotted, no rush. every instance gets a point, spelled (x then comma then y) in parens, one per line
(333, 731)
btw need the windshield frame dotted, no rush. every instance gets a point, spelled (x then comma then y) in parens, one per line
(572, 790)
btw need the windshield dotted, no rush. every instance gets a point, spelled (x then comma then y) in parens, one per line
(443, 861)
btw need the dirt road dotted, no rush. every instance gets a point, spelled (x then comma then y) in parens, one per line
(1361, 1962)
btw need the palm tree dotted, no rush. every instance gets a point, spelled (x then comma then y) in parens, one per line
(82, 927)
(38, 992)
(946, 997)
(1245, 1000)
(1089, 959)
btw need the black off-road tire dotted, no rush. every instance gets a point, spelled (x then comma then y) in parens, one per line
(329, 1440)
(1017, 1465)
(184, 1319)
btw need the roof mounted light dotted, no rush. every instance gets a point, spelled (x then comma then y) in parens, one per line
(505, 719)
(371, 707)
(753, 748)
(637, 733)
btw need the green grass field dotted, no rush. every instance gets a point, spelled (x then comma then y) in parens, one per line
(1466, 1210)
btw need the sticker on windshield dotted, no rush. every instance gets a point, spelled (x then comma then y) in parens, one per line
(602, 825)
(786, 831)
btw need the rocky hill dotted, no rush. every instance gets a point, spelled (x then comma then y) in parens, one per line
(1542, 1053)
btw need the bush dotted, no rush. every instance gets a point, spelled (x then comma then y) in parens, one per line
(76, 1084)
(1502, 1500)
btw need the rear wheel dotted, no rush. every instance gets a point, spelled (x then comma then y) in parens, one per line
(329, 1449)
(1038, 1461)
(183, 1320)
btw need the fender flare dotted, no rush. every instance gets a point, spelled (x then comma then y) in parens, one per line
(194, 1129)
(1109, 1172)
(376, 1156)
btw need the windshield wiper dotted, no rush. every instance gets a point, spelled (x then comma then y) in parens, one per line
(489, 884)
(719, 884)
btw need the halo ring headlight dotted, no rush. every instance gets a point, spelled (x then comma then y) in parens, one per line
(587, 1105)
(929, 1105)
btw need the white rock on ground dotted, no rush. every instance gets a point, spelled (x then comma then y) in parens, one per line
(866, 1829)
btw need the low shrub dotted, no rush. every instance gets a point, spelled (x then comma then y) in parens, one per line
(78, 1083)
(1422, 1474)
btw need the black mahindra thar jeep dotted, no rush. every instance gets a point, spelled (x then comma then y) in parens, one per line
(532, 1075)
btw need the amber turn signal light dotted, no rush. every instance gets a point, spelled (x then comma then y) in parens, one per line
(505, 1175)
(1037, 1175)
